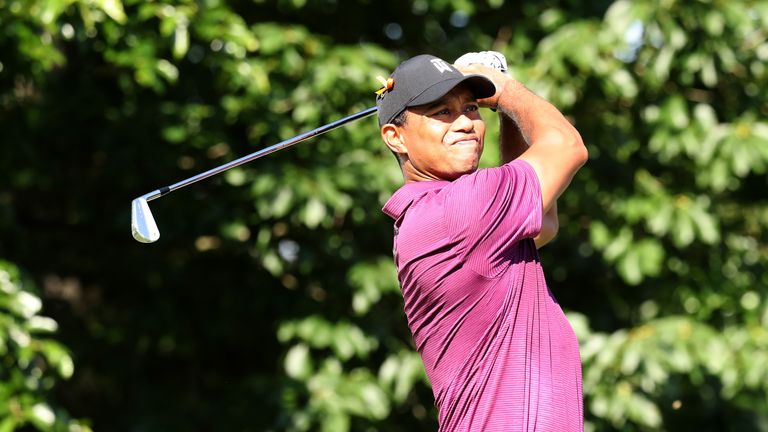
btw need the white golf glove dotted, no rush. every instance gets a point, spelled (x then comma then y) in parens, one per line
(491, 59)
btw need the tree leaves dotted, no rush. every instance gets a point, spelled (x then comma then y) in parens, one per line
(31, 361)
(648, 357)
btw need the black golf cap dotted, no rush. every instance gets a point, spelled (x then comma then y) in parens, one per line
(424, 79)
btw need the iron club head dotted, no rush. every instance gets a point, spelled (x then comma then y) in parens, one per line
(143, 225)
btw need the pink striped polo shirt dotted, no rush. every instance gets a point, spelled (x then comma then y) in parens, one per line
(497, 348)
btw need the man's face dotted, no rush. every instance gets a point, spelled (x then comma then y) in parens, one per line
(444, 139)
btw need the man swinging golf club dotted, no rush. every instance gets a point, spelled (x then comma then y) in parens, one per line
(497, 348)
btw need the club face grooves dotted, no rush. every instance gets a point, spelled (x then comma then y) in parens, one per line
(143, 225)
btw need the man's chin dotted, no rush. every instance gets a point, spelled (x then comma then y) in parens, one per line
(467, 169)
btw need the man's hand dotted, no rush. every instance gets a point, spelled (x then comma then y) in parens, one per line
(498, 78)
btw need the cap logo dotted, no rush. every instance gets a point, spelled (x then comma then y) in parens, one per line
(441, 65)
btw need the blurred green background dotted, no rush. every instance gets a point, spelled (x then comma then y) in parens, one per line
(270, 303)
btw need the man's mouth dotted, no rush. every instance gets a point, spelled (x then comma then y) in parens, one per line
(471, 140)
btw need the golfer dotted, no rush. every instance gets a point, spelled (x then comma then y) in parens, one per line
(496, 346)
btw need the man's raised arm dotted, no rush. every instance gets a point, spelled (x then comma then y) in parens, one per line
(512, 144)
(556, 150)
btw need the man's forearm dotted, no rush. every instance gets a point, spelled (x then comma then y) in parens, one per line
(530, 114)
(511, 143)
(556, 150)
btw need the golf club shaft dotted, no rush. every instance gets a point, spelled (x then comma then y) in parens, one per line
(257, 154)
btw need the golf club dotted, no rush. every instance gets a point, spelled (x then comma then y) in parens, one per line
(143, 226)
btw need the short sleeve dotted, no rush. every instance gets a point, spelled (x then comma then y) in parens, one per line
(490, 211)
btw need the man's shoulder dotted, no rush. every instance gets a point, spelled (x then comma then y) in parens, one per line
(411, 193)
(467, 190)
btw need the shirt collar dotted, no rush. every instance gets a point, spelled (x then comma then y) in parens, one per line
(403, 197)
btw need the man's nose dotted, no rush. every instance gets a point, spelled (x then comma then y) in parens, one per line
(463, 123)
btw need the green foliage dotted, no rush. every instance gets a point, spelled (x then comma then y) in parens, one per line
(30, 362)
(271, 302)
(628, 373)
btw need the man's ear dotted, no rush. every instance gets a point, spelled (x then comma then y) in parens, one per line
(393, 138)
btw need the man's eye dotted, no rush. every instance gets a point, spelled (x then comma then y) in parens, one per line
(472, 108)
(443, 111)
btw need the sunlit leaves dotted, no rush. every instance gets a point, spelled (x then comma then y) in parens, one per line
(641, 363)
(679, 218)
(31, 361)
(298, 362)
(113, 8)
(400, 372)
(344, 339)
(371, 281)
(335, 394)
